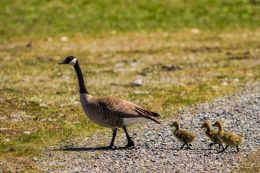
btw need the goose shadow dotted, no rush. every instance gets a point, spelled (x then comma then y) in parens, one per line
(93, 148)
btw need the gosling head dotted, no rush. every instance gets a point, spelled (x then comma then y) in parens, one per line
(218, 124)
(69, 60)
(175, 124)
(206, 125)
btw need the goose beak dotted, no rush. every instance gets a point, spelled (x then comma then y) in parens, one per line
(62, 62)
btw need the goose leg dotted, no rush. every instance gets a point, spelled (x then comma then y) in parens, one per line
(130, 143)
(112, 146)
(223, 149)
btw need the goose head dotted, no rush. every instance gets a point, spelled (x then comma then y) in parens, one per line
(69, 60)
(206, 125)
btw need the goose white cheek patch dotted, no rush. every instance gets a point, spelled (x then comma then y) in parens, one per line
(73, 61)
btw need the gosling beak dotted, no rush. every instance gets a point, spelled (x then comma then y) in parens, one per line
(62, 62)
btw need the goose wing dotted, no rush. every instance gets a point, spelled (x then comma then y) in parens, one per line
(125, 109)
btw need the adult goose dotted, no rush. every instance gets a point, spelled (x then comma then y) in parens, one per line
(110, 112)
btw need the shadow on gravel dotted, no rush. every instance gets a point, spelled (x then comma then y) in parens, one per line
(93, 148)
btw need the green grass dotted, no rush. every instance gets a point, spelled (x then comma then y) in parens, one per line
(34, 19)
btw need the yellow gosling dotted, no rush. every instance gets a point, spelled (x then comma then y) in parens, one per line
(229, 138)
(184, 136)
(212, 135)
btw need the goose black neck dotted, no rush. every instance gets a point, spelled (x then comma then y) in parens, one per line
(82, 88)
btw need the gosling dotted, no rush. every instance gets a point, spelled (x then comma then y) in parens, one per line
(183, 135)
(212, 135)
(229, 138)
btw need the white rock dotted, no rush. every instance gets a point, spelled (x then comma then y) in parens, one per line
(64, 39)
(138, 82)
(27, 132)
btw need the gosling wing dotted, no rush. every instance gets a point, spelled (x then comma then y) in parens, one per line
(185, 136)
(213, 136)
(232, 139)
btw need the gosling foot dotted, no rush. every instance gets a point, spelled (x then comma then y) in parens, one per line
(223, 150)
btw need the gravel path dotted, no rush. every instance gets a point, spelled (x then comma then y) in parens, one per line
(158, 151)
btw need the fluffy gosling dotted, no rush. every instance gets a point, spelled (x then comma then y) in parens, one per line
(212, 135)
(229, 138)
(183, 135)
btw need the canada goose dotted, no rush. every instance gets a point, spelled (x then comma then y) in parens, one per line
(212, 134)
(183, 135)
(110, 112)
(229, 138)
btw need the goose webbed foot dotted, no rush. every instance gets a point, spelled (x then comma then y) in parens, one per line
(112, 147)
(130, 144)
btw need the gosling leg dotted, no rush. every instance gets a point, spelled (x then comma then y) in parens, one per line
(220, 145)
(223, 149)
(112, 146)
(188, 147)
(210, 145)
(237, 148)
(130, 143)
(183, 146)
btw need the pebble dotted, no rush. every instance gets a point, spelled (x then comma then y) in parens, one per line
(138, 82)
(64, 39)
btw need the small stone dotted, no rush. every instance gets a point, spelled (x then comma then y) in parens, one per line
(195, 31)
(43, 105)
(27, 132)
(7, 140)
(35, 159)
(64, 39)
(138, 82)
